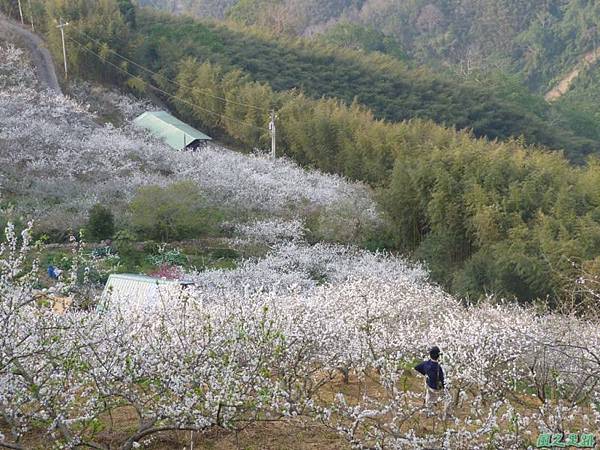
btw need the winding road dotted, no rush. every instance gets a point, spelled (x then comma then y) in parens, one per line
(40, 56)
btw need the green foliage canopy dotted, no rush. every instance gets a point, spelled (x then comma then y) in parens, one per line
(173, 212)
(101, 223)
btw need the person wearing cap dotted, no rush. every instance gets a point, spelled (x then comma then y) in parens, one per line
(434, 379)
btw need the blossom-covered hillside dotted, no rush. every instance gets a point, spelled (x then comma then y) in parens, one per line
(318, 336)
(58, 161)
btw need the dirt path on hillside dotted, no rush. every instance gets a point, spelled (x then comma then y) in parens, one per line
(565, 83)
(39, 54)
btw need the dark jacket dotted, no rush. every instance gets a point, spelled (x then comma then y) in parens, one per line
(434, 373)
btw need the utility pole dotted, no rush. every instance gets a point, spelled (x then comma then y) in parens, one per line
(273, 131)
(21, 12)
(31, 15)
(62, 34)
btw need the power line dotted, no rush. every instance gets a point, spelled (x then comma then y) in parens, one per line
(83, 47)
(168, 79)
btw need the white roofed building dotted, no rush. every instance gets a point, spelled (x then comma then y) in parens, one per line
(139, 290)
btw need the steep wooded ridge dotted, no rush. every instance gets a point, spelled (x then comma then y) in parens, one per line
(390, 88)
(537, 43)
(541, 37)
(495, 107)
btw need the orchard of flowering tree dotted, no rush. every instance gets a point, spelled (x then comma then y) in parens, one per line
(58, 161)
(325, 334)
(319, 334)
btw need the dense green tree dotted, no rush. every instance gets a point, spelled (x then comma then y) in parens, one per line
(101, 223)
(353, 36)
(200, 86)
(95, 27)
(174, 212)
(127, 10)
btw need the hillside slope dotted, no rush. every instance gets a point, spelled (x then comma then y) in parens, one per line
(58, 161)
(541, 38)
(391, 89)
(540, 42)
(321, 337)
(487, 216)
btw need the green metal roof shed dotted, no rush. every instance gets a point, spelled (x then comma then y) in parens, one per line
(175, 133)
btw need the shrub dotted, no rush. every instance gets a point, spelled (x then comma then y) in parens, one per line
(172, 257)
(174, 212)
(227, 253)
(125, 246)
(101, 223)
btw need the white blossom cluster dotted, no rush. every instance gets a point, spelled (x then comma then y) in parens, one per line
(294, 267)
(13, 71)
(100, 99)
(270, 231)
